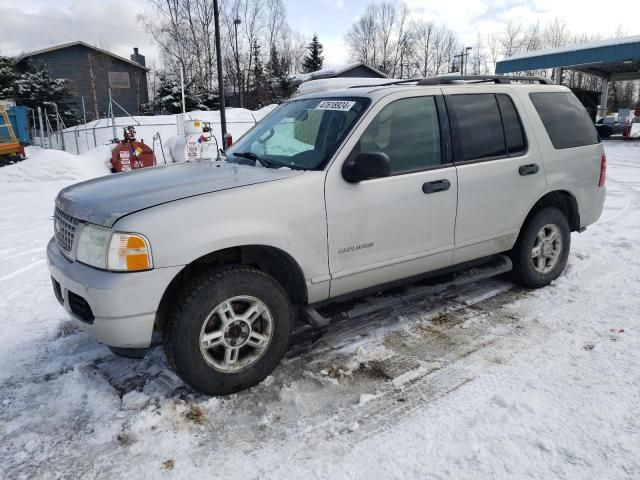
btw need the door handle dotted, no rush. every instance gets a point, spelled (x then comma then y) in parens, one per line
(529, 169)
(436, 186)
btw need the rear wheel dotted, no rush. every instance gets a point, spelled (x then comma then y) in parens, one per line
(229, 331)
(542, 250)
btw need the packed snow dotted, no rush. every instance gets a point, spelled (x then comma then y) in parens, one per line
(486, 382)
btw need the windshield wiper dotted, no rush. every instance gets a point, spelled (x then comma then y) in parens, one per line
(254, 157)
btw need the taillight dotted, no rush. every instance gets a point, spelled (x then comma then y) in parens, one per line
(603, 170)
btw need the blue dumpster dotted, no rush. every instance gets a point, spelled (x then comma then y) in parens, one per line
(19, 118)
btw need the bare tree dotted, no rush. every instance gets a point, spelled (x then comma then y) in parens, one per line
(511, 39)
(384, 38)
(424, 46)
(361, 37)
(493, 49)
(478, 57)
(276, 20)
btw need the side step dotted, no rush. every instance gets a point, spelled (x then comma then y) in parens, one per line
(323, 315)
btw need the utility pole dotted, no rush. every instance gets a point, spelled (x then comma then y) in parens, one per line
(184, 105)
(113, 118)
(84, 119)
(41, 128)
(463, 63)
(237, 22)
(223, 117)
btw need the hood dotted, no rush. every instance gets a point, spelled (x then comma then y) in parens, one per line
(102, 201)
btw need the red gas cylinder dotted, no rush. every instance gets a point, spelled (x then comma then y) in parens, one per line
(131, 154)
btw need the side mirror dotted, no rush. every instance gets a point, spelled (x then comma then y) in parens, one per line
(366, 166)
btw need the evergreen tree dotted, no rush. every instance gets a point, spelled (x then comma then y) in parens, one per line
(258, 85)
(168, 97)
(274, 75)
(279, 84)
(312, 61)
(8, 77)
(35, 88)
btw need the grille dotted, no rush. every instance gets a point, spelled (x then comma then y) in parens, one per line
(80, 307)
(64, 229)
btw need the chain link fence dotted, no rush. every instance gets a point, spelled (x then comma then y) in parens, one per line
(82, 138)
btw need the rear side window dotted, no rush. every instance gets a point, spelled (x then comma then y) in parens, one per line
(408, 131)
(476, 126)
(565, 119)
(513, 131)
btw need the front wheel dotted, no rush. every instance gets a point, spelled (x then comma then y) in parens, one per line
(229, 331)
(541, 252)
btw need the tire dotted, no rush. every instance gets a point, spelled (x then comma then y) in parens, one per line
(208, 322)
(535, 269)
(605, 131)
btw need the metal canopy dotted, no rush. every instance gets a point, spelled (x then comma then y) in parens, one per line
(614, 59)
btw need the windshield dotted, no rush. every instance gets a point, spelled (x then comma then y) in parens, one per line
(300, 134)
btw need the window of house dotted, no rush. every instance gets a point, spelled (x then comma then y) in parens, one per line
(119, 80)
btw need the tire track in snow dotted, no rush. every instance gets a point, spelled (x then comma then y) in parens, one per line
(21, 270)
(20, 254)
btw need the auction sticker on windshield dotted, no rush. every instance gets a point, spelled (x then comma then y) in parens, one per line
(341, 105)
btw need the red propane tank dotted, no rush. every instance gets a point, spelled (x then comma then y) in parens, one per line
(131, 154)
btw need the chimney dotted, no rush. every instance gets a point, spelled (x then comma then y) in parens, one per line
(136, 57)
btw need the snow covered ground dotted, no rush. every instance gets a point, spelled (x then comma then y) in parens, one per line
(489, 381)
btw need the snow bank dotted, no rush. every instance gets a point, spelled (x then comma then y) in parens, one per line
(83, 137)
(44, 165)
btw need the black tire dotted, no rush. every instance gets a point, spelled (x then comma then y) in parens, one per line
(605, 131)
(524, 271)
(185, 320)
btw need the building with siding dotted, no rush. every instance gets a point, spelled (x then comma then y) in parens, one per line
(91, 72)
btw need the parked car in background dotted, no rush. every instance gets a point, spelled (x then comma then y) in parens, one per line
(332, 196)
(608, 126)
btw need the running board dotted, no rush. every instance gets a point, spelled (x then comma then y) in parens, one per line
(324, 315)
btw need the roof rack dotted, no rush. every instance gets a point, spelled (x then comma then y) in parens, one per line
(505, 79)
(452, 79)
(386, 84)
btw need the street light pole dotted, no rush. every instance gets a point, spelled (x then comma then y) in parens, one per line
(237, 22)
(223, 116)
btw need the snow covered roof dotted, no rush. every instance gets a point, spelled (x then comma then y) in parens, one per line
(614, 58)
(334, 72)
(60, 46)
(579, 46)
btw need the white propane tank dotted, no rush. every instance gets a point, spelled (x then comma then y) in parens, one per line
(198, 144)
(192, 127)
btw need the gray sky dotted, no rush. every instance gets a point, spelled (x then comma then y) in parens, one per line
(111, 24)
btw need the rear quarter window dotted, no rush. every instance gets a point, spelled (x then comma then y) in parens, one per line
(565, 119)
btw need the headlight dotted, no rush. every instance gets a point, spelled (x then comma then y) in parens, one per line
(92, 246)
(123, 252)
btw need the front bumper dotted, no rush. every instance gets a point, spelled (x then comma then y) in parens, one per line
(119, 309)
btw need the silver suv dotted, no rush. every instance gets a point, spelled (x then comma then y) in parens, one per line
(430, 183)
